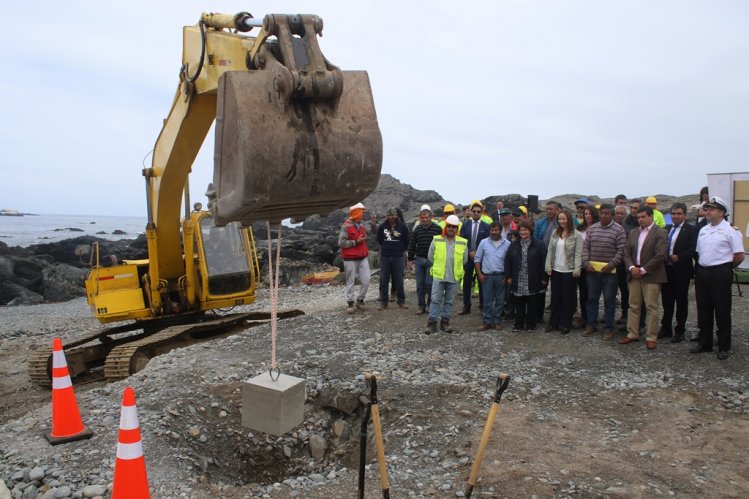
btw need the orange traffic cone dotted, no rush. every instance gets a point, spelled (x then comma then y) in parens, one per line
(67, 425)
(130, 480)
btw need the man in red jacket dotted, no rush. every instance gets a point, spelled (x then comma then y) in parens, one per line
(352, 239)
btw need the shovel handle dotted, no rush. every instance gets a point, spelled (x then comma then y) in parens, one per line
(502, 381)
(380, 451)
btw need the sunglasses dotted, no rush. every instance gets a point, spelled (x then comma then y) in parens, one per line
(451, 226)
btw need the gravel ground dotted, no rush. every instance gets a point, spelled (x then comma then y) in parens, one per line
(582, 417)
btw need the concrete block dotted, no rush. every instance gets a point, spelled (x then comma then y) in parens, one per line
(274, 407)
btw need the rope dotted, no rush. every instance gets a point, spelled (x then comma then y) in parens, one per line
(273, 284)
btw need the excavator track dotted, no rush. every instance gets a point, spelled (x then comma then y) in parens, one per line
(122, 357)
(40, 359)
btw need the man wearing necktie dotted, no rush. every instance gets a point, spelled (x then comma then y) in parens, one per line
(682, 241)
(475, 231)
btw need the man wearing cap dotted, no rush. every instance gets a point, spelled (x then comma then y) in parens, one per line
(446, 212)
(474, 231)
(508, 225)
(658, 217)
(392, 235)
(682, 241)
(352, 239)
(719, 250)
(449, 256)
(580, 206)
(418, 253)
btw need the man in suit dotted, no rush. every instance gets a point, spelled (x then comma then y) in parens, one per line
(682, 241)
(474, 231)
(644, 256)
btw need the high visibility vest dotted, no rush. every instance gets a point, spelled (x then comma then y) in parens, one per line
(440, 257)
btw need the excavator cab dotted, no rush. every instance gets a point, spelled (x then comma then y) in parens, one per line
(227, 258)
(295, 135)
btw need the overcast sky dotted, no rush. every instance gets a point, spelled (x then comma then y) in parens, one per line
(474, 98)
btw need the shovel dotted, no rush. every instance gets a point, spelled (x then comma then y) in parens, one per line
(372, 381)
(502, 381)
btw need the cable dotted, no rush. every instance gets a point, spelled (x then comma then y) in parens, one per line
(202, 56)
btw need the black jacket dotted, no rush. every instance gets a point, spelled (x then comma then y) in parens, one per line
(536, 264)
(684, 248)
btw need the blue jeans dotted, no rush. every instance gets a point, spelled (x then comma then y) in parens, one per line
(391, 266)
(494, 298)
(607, 283)
(423, 279)
(442, 291)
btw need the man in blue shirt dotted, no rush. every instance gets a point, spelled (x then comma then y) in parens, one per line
(490, 268)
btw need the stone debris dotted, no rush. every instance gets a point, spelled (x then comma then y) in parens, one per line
(570, 401)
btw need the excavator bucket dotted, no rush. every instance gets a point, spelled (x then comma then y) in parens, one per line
(281, 156)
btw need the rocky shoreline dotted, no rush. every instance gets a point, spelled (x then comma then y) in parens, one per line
(56, 272)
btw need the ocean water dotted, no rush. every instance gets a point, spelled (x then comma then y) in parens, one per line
(39, 229)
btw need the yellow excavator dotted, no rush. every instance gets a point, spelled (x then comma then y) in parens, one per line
(295, 136)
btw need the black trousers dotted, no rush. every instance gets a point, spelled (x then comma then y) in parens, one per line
(621, 277)
(525, 311)
(675, 292)
(713, 289)
(468, 278)
(563, 299)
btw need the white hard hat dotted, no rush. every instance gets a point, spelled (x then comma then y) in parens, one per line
(357, 205)
(425, 207)
(452, 220)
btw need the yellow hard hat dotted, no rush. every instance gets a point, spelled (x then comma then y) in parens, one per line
(477, 202)
(651, 200)
(523, 209)
(598, 206)
(449, 208)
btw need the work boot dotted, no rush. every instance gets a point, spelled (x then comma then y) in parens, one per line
(431, 327)
(360, 305)
(421, 311)
(484, 327)
(445, 326)
(350, 308)
(589, 331)
(383, 306)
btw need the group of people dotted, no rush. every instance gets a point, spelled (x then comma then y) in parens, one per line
(599, 250)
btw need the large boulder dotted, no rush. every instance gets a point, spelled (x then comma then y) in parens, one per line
(28, 272)
(15, 294)
(63, 282)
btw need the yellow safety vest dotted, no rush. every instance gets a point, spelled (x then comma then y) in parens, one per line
(658, 218)
(440, 257)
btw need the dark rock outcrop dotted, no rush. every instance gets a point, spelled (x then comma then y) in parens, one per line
(55, 271)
